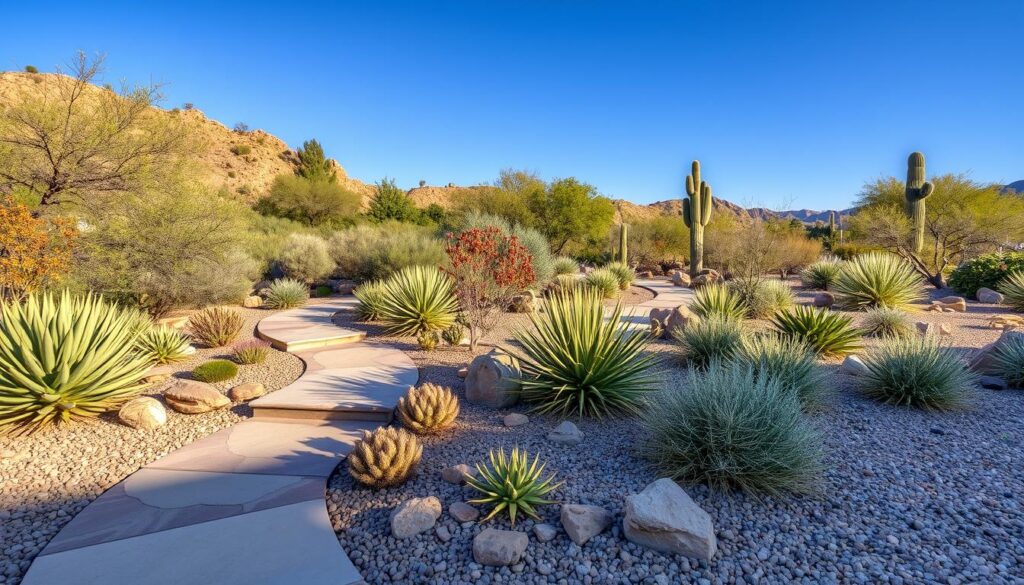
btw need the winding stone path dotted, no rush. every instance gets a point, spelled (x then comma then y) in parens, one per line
(666, 296)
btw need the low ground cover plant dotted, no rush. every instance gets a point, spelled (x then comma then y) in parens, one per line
(253, 351)
(215, 371)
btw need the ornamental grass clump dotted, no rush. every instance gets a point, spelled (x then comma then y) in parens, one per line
(417, 299)
(878, 279)
(622, 272)
(604, 281)
(823, 274)
(827, 333)
(286, 293)
(917, 371)
(215, 326)
(566, 265)
(732, 428)
(512, 484)
(1012, 288)
(789, 361)
(371, 300)
(1008, 360)
(215, 371)
(709, 340)
(718, 300)
(164, 345)
(252, 351)
(384, 458)
(577, 361)
(64, 358)
(762, 298)
(884, 322)
(428, 409)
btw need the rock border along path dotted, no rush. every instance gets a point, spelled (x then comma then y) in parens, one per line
(246, 504)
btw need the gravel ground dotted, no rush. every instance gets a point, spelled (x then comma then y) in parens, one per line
(909, 496)
(47, 478)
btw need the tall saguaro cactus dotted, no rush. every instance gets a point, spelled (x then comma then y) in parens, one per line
(917, 191)
(696, 213)
(831, 223)
(623, 235)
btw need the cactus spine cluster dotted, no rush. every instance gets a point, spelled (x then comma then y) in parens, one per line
(917, 191)
(384, 458)
(696, 213)
(428, 409)
(623, 249)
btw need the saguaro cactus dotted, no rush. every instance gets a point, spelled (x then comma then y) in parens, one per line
(831, 222)
(696, 213)
(623, 235)
(917, 191)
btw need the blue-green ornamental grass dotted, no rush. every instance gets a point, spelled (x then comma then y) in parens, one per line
(790, 361)
(708, 340)
(823, 274)
(917, 371)
(1008, 360)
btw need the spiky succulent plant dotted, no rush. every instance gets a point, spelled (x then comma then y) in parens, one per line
(416, 299)
(718, 300)
(371, 298)
(1012, 288)
(823, 274)
(286, 293)
(878, 279)
(513, 484)
(384, 458)
(428, 409)
(603, 281)
(827, 333)
(623, 273)
(164, 345)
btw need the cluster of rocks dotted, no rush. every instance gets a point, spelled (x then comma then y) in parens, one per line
(705, 277)
(950, 304)
(186, 397)
(665, 322)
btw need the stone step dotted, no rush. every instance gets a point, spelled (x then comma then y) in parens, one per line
(318, 336)
(309, 327)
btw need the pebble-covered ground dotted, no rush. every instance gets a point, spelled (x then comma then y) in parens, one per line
(46, 478)
(909, 496)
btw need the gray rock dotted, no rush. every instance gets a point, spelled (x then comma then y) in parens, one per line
(680, 278)
(463, 512)
(493, 380)
(515, 419)
(414, 516)
(824, 299)
(143, 413)
(499, 548)
(664, 518)
(545, 532)
(191, 397)
(566, 434)
(247, 391)
(582, 522)
(987, 295)
(457, 473)
(854, 366)
(992, 383)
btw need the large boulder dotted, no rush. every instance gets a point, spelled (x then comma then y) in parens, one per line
(192, 397)
(499, 548)
(582, 522)
(566, 434)
(414, 516)
(493, 380)
(987, 295)
(143, 413)
(680, 278)
(246, 391)
(664, 518)
(983, 360)
(664, 321)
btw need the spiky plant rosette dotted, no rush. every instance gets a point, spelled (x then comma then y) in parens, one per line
(417, 299)
(604, 281)
(565, 265)
(1012, 288)
(707, 340)
(822, 275)
(65, 358)
(384, 458)
(1008, 360)
(762, 298)
(878, 279)
(718, 300)
(885, 322)
(164, 345)
(286, 293)
(215, 326)
(371, 299)
(577, 361)
(827, 333)
(917, 371)
(512, 484)
(622, 272)
(790, 361)
(428, 409)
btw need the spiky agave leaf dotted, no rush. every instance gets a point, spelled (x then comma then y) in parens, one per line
(1012, 288)
(371, 298)
(164, 345)
(826, 332)
(416, 299)
(878, 279)
(512, 483)
(718, 300)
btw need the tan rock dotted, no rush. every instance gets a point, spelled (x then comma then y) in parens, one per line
(493, 380)
(252, 302)
(664, 517)
(246, 391)
(143, 413)
(191, 397)
(958, 304)
(926, 328)
(983, 360)
(680, 278)
(1006, 322)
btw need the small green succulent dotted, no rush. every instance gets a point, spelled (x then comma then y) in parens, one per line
(512, 483)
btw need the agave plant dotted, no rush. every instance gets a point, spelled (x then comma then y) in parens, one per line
(917, 371)
(371, 299)
(826, 332)
(878, 279)
(1012, 288)
(718, 300)
(604, 281)
(66, 357)
(164, 345)
(286, 293)
(417, 299)
(512, 483)
(823, 274)
(577, 361)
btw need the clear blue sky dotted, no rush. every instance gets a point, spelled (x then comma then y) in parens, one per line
(795, 103)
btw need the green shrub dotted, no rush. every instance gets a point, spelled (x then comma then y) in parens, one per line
(576, 361)
(304, 257)
(375, 252)
(791, 362)
(241, 149)
(917, 371)
(215, 326)
(762, 298)
(731, 428)
(878, 279)
(253, 351)
(512, 484)
(1008, 361)
(718, 300)
(883, 322)
(31, 69)
(65, 358)
(823, 274)
(622, 272)
(711, 339)
(987, 271)
(215, 371)
(825, 332)
(286, 293)
(371, 299)
(417, 299)
(542, 260)
(604, 282)
(456, 333)
(163, 345)
(310, 202)
(323, 291)
(1012, 288)
(391, 203)
(565, 265)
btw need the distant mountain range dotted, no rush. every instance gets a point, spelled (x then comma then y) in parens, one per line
(1015, 187)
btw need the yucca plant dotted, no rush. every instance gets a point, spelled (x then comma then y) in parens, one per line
(885, 322)
(878, 279)
(1008, 361)
(824, 331)
(164, 345)
(762, 298)
(65, 357)
(384, 458)
(512, 484)
(603, 281)
(917, 371)
(215, 371)
(286, 293)
(718, 300)
(252, 351)
(417, 299)
(823, 274)
(428, 409)
(371, 298)
(566, 265)
(622, 272)
(1012, 288)
(789, 361)
(709, 340)
(215, 326)
(576, 361)
(565, 283)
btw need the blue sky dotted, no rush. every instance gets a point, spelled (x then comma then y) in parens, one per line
(785, 103)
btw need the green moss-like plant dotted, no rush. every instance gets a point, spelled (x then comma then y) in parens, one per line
(215, 371)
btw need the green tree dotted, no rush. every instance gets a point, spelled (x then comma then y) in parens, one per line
(313, 165)
(311, 202)
(570, 211)
(390, 202)
(654, 240)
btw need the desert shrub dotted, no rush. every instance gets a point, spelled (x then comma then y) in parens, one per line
(987, 271)
(825, 332)
(375, 252)
(718, 300)
(34, 252)
(241, 149)
(215, 326)
(565, 265)
(622, 272)
(65, 358)
(1008, 361)
(163, 345)
(310, 202)
(883, 322)
(575, 361)
(512, 484)
(286, 293)
(417, 299)
(655, 240)
(1012, 288)
(917, 371)
(323, 291)
(789, 361)
(878, 279)
(731, 428)
(371, 299)
(31, 69)
(215, 371)
(304, 257)
(542, 260)
(711, 339)
(762, 298)
(252, 351)
(604, 281)
(823, 274)
(390, 202)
